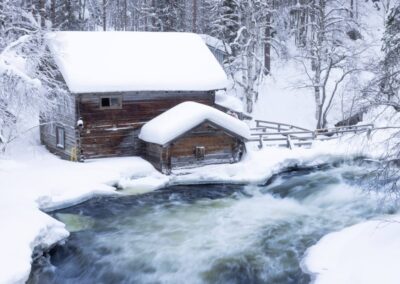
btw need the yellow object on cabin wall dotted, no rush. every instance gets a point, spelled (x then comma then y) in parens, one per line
(74, 154)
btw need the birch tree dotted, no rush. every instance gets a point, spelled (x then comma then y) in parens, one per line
(247, 27)
(390, 84)
(330, 33)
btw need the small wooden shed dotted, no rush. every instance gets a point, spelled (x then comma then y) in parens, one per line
(192, 134)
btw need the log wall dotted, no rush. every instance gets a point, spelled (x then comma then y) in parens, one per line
(114, 132)
(63, 115)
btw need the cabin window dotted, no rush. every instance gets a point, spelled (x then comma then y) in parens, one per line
(200, 152)
(60, 137)
(110, 102)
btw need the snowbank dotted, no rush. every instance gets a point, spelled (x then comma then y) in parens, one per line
(135, 61)
(23, 228)
(185, 116)
(228, 101)
(364, 253)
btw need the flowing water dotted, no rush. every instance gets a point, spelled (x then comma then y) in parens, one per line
(209, 233)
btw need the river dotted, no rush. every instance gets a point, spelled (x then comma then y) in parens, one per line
(210, 233)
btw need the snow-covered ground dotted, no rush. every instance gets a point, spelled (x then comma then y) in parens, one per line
(364, 253)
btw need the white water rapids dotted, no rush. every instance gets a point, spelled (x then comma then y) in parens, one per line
(209, 233)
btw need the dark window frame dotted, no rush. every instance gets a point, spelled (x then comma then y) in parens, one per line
(119, 106)
(58, 138)
(200, 153)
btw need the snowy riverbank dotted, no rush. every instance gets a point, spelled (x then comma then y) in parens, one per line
(33, 179)
(364, 253)
(45, 182)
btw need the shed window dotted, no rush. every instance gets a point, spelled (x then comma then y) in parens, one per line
(60, 137)
(200, 152)
(110, 102)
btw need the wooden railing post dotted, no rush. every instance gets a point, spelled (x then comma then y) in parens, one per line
(289, 142)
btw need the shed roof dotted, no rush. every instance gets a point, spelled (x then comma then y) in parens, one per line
(178, 120)
(135, 61)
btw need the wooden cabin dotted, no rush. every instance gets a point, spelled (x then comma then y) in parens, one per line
(117, 82)
(205, 136)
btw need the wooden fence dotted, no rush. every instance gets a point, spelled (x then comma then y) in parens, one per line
(268, 133)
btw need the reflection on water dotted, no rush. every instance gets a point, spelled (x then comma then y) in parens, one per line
(208, 233)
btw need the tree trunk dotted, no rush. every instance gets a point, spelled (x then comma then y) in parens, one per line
(194, 18)
(317, 85)
(267, 45)
(2, 18)
(125, 14)
(117, 20)
(84, 10)
(53, 13)
(324, 119)
(352, 8)
(319, 12)
(104, 15)
(318, 106)
(42, 13)
(153, 17)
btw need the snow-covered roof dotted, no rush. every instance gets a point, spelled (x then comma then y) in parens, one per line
(228, 101)
(216, 43)
(184, 117)
(135, 61)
